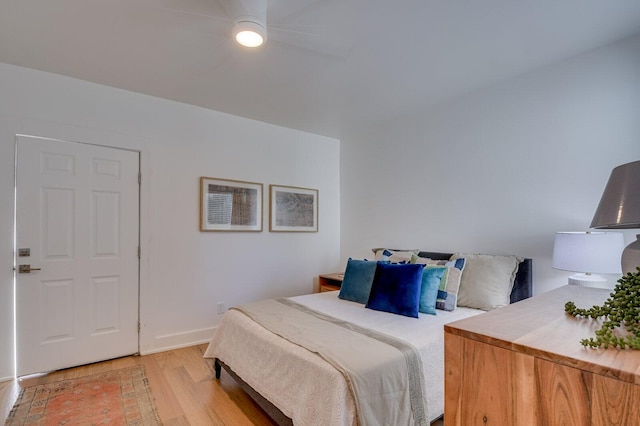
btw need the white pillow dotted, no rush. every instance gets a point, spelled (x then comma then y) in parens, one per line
(487, 280)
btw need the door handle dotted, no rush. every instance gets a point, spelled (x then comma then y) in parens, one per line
(25, 269)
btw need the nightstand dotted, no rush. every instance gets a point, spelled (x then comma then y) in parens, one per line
(330, 282)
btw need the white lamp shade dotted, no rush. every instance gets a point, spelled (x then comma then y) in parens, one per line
(592, 252)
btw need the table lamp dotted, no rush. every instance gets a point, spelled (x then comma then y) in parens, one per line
(589, 253)
(619, 208)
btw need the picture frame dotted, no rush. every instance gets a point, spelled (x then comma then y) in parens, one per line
(293, 209)
(230, 205)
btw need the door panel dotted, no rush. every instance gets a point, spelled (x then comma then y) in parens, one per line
(77, 211)
(57, 223)
(56, 305)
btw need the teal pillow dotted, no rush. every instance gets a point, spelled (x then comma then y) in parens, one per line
(396, 289)
(431, 278)
(357, 281)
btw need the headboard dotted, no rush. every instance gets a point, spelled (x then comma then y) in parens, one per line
(522, 286)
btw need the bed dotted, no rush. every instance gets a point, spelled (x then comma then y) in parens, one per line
(295, 385)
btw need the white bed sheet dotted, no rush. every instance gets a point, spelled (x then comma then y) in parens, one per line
(304, 386)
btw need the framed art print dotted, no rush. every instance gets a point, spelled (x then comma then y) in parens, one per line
(293, 209)
(230, 205)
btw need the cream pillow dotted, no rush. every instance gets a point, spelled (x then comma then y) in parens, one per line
(487, 280)
(396, 256)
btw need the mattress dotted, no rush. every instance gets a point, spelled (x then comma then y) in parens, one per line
(305, 387)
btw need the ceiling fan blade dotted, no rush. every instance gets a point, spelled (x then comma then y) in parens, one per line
(281, 10)
(239, 8)
(325, 44)
(191, 8)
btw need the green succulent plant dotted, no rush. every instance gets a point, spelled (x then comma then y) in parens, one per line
(621, 308)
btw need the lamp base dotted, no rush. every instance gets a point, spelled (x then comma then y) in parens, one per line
(588, 280)
(631, 257)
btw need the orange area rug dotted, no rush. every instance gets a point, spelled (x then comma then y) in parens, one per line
(118, 397)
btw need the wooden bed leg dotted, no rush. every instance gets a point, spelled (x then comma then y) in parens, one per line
(218, 368)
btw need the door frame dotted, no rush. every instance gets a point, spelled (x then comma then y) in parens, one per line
(122, 141)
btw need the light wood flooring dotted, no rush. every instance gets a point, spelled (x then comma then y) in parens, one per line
(182, 383)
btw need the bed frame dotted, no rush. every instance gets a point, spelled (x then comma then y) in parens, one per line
(272, 411)
(522, 289)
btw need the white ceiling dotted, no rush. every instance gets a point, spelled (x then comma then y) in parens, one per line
(386, 58)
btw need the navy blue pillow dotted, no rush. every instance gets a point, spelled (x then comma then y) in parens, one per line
(358, 277)
(431, 278)
(396, 289)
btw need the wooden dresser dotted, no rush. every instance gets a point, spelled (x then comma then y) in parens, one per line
(524, 365)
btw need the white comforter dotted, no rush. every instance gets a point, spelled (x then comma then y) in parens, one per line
(304, 386)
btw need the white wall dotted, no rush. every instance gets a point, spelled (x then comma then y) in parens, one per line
(500, 170)
(185, 273)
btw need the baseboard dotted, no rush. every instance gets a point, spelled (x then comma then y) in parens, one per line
(6, 379)
(167, 342)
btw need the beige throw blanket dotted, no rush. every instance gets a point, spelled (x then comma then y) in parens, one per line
(383, 373)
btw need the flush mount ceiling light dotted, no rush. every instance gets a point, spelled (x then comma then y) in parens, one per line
(245, 22)
(249, 31)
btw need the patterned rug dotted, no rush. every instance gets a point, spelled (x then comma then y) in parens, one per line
(119, 397)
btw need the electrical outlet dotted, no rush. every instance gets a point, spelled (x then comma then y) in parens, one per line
(221, 308)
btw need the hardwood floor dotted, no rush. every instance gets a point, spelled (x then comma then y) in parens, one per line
(182, 383)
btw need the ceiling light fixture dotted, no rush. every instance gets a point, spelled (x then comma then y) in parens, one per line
(249, 32)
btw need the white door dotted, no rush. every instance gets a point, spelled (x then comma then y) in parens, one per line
(77, 229)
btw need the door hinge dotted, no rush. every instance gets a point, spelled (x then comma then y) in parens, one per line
(138, 326)
(139, 253)
(139, 178)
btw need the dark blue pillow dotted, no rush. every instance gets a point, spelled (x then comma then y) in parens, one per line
(396, 289)
(431, 278)
(358, 277)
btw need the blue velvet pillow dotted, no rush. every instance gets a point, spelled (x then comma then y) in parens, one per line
(358, 277)
(396, 289)
(431, 278)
